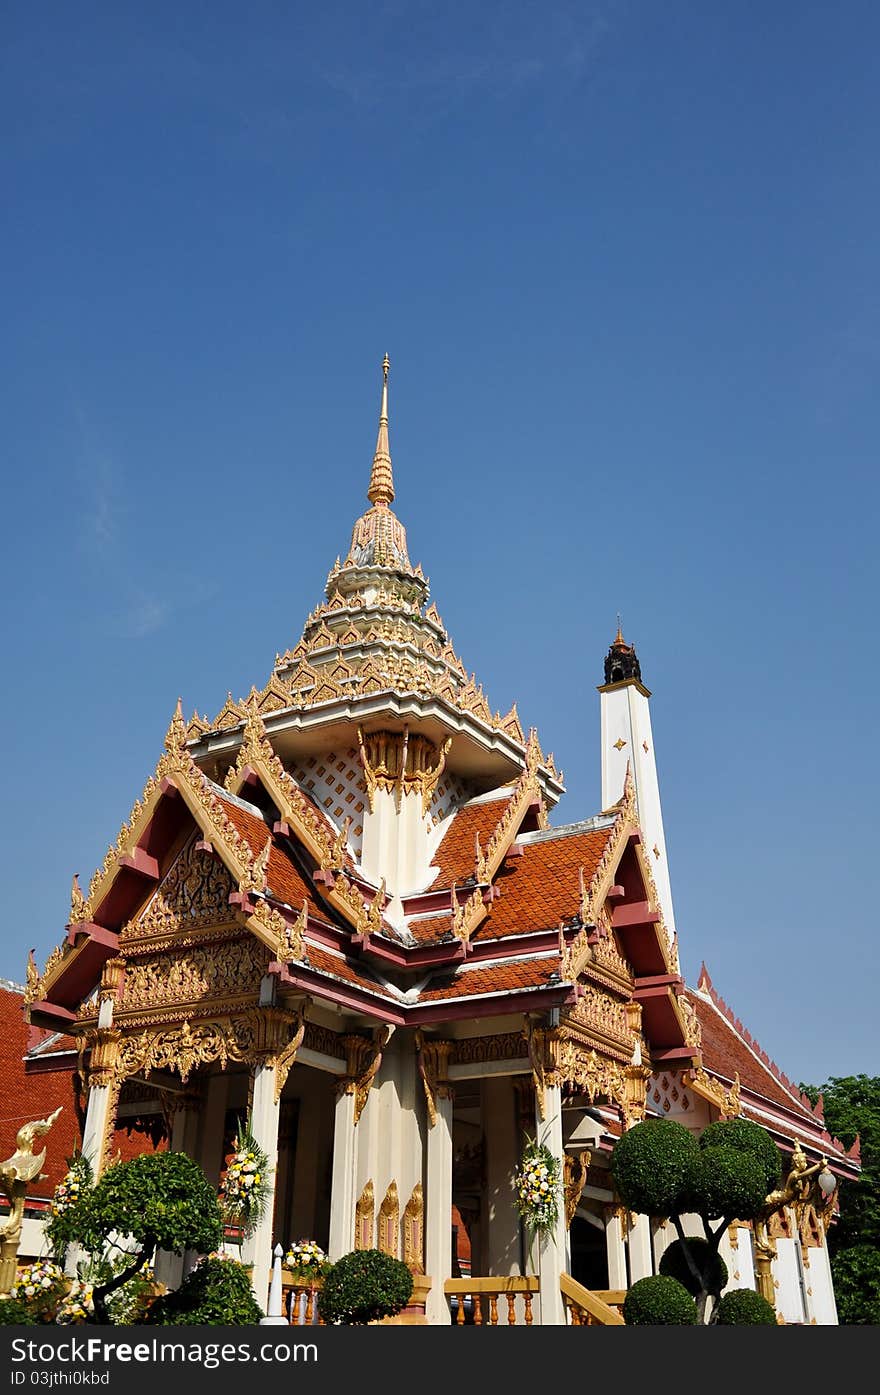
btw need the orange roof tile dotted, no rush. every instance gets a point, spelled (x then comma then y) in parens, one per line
(456, 855)
(508, 977)
(326, 963)
(543, 886)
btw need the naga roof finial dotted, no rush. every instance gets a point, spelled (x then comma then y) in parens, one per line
(381, 490)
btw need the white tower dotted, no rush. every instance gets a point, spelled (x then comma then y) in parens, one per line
(627, 739)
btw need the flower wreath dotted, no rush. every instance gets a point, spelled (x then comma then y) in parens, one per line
(537, 1185)
(244, 1185)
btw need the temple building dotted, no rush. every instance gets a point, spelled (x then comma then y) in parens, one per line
(342, 908)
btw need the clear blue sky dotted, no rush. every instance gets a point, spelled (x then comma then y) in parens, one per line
(624, 257)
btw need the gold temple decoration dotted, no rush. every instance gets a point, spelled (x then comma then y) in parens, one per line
(16, 1172)
(799, 1194)
(400, 763)
(364, 1057)
(575, 1169)
(414, 1232)
(363, 1218)
(726, 1101)
(287, 1055)
(388, 1222)
(78, 908)
(432, 1057)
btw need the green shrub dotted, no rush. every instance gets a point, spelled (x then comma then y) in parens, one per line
(216, 1293)
(364, 1286)
(707, 1260)
(742, 1307)
(659, 1301)
(748, 1138)
(727, 1182)
(651, 1165)
(14, 1312)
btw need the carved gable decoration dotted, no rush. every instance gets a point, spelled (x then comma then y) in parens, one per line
(193, 894)
(220, 975)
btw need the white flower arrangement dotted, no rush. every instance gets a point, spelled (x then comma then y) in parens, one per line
(306, 1260)
(537, 1186)
(77, 1304)
(76, 1180)
(40, 1285)
(244, 1185)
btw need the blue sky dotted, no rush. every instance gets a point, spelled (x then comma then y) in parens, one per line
(624, 258)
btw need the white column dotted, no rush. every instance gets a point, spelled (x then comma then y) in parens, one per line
(257, 1248)
(639, 1241)
(438, 1211)
(212, 1117)
(342, 1197)
(552, 1248)
(617, 1278)
(96, 1125)
(502, 1222)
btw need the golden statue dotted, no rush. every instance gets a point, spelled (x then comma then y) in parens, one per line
(15, 1174)
(799, 1189)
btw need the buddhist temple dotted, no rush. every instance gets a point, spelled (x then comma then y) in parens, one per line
(344, 908)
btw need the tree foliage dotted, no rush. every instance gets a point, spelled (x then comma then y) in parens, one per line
(712, 1269)
(852, 1107)
(742, 1307)
(364, 1286)
(217, 1293)
(155, 1201)
(659, 1301)
(661, 1170)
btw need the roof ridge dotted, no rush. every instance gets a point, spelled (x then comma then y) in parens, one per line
(596, 824)
(708, 990)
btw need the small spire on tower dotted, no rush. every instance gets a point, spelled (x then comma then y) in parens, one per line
(618, 638)
(381, 490)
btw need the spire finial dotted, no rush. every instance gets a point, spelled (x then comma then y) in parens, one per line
(618, 638)
(381, 490)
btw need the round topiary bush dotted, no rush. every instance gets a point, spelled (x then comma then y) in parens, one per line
(651, 1165)
(727, 1182)
(708, 1261)
(748, 1138)
(364, 1286)
(659, 1301)
(742, 1307)
(16, 1313)
(216, 1293)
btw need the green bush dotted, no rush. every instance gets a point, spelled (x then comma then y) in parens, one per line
(659, 1301)
(216, 1293)
(707, 1260)
(651, 1165)
(748, 1138)
(727, 1182)
(14, 1312)
(742, 1307)
(364, 1286)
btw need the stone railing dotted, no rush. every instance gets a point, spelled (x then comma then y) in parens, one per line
(591, 1308)
(299, 1300)
(474, 1302)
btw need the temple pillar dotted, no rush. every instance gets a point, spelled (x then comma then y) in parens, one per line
(212, 1118)
(171, 1269)
(552, 1247)
(502, 1226)
(438, 1210)
(614, 1242)
(342, 1195)
(265, 1111)
(639, 1243)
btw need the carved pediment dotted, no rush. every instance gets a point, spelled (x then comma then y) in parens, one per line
(193, 894)
(221, 973)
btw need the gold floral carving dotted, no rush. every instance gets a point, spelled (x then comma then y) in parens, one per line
(287, 1055)
(401, 763)
(575, 1169)
(112, 979)
(467, 915)
(414, 1232)
(363, 1059)
(324, 1041)
(104, 1044)
(559, 1059)
(187, 976)
(388, 1222)
(504, 1046)
(194, 894)
(364, 1213)
(432, 1056)
(258, 1037)
(726, 1101)
(79, 911)
(597, 1013)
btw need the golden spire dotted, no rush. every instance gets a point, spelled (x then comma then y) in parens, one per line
(381, 490)
(618, 638)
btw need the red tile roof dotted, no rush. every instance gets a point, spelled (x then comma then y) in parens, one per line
(326, 963)
(543, 886)
(509, 976)
(456, 855)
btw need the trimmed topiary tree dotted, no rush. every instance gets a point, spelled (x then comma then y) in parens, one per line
(713, 1270)
(659, 1301)
(158, 1201)
(16, 1313)
(216, 1293)
(660, 1169)
(742, 1307)
(364, 1286)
